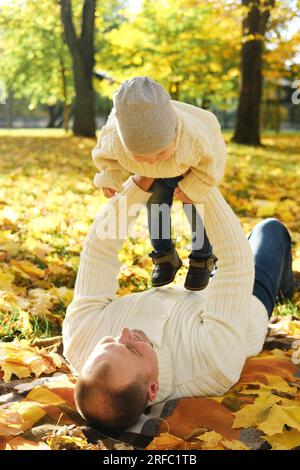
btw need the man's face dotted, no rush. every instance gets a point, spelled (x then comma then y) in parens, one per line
(154, 158)
(128, 354)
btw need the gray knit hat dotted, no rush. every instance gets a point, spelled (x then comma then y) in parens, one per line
(145, 117)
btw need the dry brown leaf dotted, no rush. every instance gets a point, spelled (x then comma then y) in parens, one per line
(19, 443)
(10, 423)
(191, 413)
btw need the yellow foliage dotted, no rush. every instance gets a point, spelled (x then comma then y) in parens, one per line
(286, 440)
(164, 441)
(47, 203)
(279, 417)
(22, 360)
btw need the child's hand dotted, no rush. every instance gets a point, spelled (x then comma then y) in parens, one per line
(179, 194)
(144, 182)
(109, 192)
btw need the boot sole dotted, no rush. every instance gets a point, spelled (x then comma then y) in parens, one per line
(195, 288)
(167, 282)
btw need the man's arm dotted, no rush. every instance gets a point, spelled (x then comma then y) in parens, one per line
(96, 281)
(223, 330)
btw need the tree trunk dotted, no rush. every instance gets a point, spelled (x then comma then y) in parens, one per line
(10, 109)
(55, 112)
(82, 52)
(51, 113)
(278, 110)
(254, 29)
(67, 111)
(66, 105)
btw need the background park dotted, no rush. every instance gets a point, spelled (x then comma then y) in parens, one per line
(60, 62)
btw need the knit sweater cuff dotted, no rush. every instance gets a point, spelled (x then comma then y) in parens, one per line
(109, 179)
(134, 193)
(194, 187)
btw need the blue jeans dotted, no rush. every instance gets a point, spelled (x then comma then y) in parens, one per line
(271, 246)
(159, 220)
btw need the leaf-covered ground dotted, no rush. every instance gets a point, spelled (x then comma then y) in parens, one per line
(47, 202)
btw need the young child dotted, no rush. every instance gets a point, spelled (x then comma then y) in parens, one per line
(179, 145)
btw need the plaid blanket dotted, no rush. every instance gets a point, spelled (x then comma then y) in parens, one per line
(47, 411)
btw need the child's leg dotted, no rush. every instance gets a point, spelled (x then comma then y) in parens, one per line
(159, 213)
(165, 258)
(201, 248)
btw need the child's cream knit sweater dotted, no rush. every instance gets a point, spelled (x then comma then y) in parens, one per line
(199, 147)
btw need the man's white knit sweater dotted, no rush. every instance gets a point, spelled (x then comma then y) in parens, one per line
(202, 339)
(200, 151)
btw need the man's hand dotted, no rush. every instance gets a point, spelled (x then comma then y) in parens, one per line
(109, 192)
(179, 194)
(143, 182)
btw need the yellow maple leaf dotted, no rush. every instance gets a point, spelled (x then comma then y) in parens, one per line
(285, 440)
(279, 384)
(278, 417)
(275, 384)
(278, 353)
(249, 415)
(210, 439)
(294, 329)
(234, 445)
(164, 441)
(29, 411)
(44, 395)
(9, 369)
(6, 279)
(28, 268)
(23, 360)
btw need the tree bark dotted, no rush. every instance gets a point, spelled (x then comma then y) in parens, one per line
(82, 52)
(254, 29)
(66, 105)
(10, 109)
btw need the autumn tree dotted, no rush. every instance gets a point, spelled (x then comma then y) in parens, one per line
(190, 47)
(34, 60)
(257, 15)
(82, 51)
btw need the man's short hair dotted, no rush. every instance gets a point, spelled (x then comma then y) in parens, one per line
(108, 409)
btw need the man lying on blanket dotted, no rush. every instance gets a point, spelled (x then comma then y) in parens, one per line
(144, 348)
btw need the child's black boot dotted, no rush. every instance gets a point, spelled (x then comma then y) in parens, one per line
(199, 272)
(166, 267)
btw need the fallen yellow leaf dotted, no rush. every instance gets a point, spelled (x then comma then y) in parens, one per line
(285, 440)
(278, 417)
(164, 441)
(234, 445)
(210, 439)
(27, 267)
